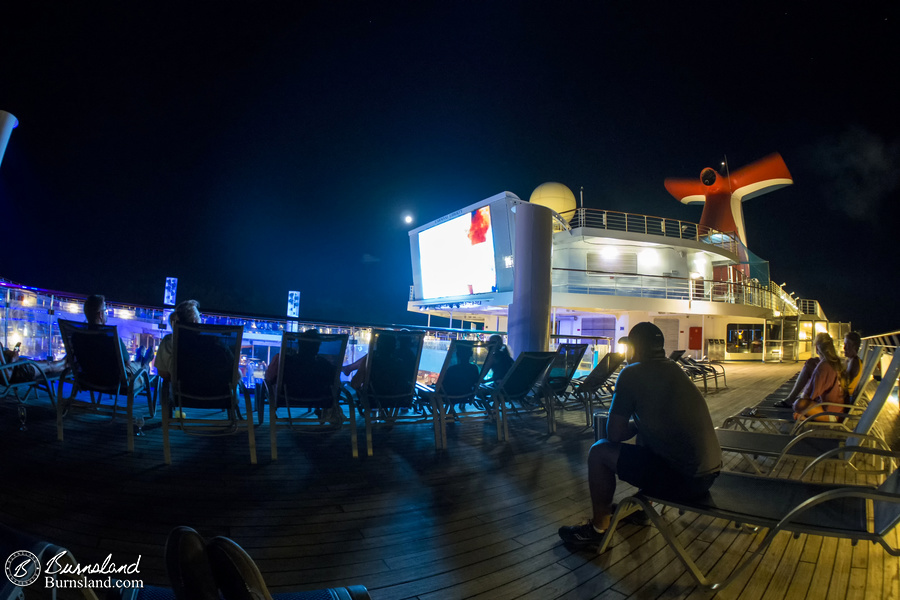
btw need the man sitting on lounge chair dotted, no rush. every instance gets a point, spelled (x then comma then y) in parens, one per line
(95, 313)
(27, 370)
(677, 454)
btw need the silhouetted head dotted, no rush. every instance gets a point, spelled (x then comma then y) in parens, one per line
(95, 309)
(310, 342)
(852, 342)
(646, 342)
(185, 312)
(463, 353)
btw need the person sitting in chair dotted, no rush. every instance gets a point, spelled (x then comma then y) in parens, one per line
(503, 360)
(826, 384)
(677, 454)
(186, 312)
(95, 313)
(28, 371)
(306, 373)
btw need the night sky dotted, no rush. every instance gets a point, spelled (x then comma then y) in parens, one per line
(254, 148)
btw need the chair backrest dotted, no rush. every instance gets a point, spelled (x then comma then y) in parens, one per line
(309, 368)
(466, 365)
(205, 363)
(95, 355)
(392, 366)
(879, 398)
(527, 372)
(871, 357)
(887, 514)
(4, 380)
(676, 355)
(601, 373)
(564, 365)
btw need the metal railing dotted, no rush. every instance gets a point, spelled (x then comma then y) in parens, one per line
(602, 283)
(645, 224)
(28, 317)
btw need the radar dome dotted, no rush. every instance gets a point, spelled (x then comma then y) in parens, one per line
(555, 196)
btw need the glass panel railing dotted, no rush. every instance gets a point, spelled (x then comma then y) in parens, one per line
(29, 317)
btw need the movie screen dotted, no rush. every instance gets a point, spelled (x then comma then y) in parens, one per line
(457, 257)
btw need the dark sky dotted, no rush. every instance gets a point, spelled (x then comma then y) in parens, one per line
(253, 148)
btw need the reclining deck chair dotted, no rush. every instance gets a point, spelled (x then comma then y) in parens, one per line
(205, 376)
(465, 366)
(525, 379)
(97, 366)
(775, 420)
(594, 387)
(309, 378)
(41, 381)
(388, 392)
(817, 440)
(708, 368)
(780, 505)
(562, 369)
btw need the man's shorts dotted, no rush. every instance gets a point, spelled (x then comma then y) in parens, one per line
(656, 476)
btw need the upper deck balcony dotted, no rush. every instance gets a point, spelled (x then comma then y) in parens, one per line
(638, 224)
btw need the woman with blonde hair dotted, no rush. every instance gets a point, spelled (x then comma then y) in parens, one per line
(827, 384)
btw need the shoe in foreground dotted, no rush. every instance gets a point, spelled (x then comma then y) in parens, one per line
(580, 536)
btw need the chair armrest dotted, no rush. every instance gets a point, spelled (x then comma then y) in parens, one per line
(848, 450)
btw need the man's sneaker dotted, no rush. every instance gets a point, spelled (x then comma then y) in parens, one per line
(580, 536)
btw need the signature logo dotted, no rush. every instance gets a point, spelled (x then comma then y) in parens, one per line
(22, 568)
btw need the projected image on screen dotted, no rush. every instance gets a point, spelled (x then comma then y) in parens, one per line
(457, 257)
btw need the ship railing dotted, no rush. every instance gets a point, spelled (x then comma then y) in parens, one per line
(28, 317)
(611, 220)
(606, 283)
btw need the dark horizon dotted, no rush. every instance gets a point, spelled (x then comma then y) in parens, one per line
(252, 152)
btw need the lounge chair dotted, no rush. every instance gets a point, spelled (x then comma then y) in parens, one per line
(457, 384)
(523, 384)
(815, 440)
(595, 386)
(562, 369)
(97, 366)
(206, 376)
(42, 382)
(309, 379)
(769, 418)
(708, 368)
(388, 392)
(780, 505)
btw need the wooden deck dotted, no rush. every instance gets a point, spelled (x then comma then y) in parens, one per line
(477, 520)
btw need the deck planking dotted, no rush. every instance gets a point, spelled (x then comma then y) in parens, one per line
(475, 521)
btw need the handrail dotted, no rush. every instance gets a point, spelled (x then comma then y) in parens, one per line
(650, 225)
(608, 283)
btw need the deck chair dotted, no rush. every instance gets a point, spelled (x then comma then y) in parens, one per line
(388, 392)
(814, 441)
(775, 420)
(708, 368)
(97, 366)
(698, 373)
(562, 369)
(464, 369)
(594, 387)
(309, 379)
(42, 382)
(205, 376)
(779, 505)
(525, 379)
